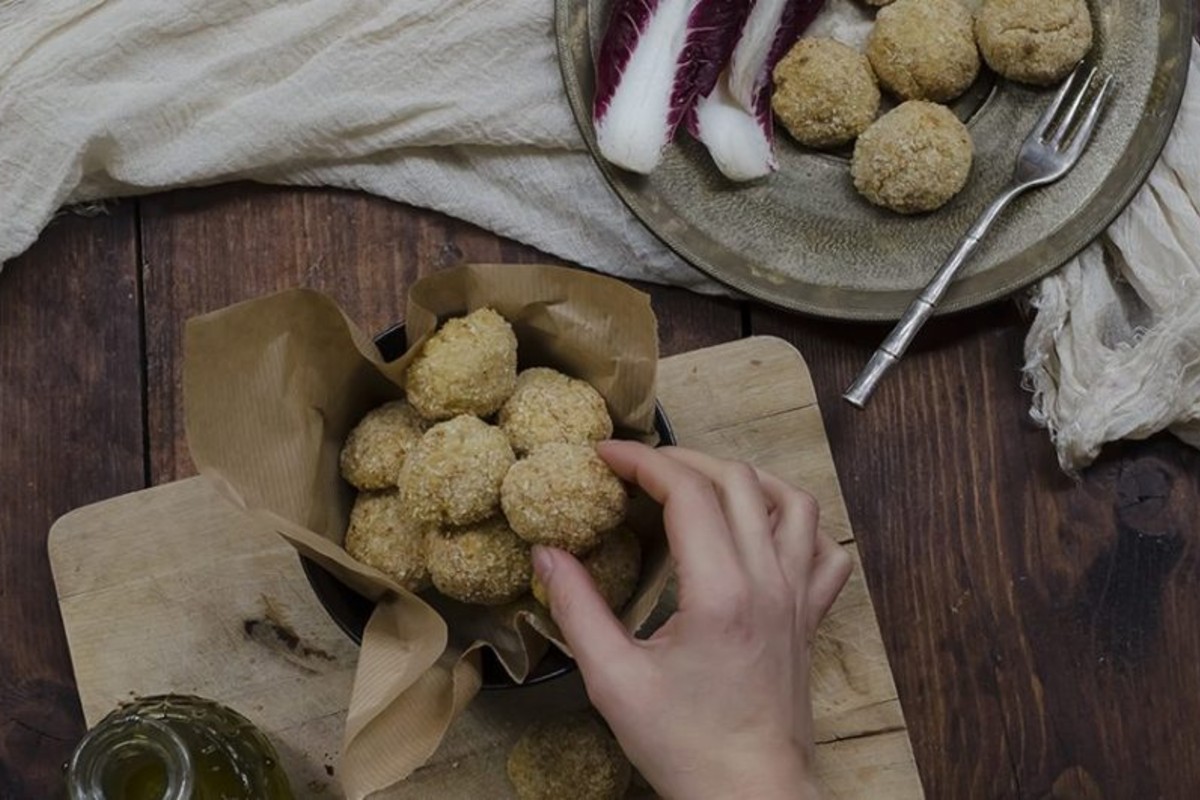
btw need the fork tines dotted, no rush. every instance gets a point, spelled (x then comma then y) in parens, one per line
(1053, 127)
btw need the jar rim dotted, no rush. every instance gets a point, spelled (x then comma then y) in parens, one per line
(119, 737)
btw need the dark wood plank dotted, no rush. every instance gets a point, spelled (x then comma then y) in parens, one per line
(70, 434)
(205, 249)
(1042, 631)
(688, 321)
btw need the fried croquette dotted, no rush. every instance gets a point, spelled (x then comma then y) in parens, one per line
(453, 474)
(563, 495)
(485, 563)
(924, 49)
(375, 450)
(547, 406)
(380, 536)
(913, 159)
(573, 756)
(468, 367)
(614, 565)
(825, 93)
(1034, 41)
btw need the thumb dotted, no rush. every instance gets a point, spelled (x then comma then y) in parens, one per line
(593, 633)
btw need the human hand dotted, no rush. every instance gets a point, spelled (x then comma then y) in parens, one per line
(716, 703)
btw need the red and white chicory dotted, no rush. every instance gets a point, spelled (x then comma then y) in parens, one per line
(706, 62)
(655, 57)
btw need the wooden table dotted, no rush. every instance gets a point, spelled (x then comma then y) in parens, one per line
(1044, 633)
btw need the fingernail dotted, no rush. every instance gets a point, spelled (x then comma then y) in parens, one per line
(543, 562)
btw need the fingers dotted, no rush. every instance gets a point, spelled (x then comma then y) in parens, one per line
(796, 516)
(806, 553)
(594, 635)
(830, 570)
(745, 506)
(696, 527)
(719, 513)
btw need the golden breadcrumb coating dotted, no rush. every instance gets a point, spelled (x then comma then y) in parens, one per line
(468, 367)
(375, 450)
(571, 756)
(380, 536)
(563, 495)
(1034, 41)
(924, 49)
(453, 475)
(485, 563)
(913, 159)
(547, 406)
(615, 566)
(825, 93)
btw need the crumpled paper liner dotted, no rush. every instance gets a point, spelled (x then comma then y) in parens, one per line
(271, 389)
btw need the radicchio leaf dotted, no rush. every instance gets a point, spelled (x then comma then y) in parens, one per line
(738, 129)
(741, 144)
(654, 60)
(771, 29)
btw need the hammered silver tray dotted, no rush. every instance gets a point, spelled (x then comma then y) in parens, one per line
(804, 240)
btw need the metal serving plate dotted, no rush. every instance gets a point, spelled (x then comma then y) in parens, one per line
(804, 240)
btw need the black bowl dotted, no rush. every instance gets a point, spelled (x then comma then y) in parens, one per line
(350, 610)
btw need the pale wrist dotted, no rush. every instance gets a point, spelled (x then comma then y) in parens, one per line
(788, 778)
(780, 775)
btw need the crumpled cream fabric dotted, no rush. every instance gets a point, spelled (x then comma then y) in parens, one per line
(457, 105)
(453, 105)
(1114, 350)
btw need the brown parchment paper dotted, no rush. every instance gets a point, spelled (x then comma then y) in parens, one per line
(271, 389)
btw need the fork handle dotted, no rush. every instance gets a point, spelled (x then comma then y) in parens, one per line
(936, 288)
(922, 308)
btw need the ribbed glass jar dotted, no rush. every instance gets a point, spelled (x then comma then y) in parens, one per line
(175, 747)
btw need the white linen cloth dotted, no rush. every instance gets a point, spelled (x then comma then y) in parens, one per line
(458, 106)
(1114, 350)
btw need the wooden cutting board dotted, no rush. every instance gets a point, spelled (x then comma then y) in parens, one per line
(171, 589)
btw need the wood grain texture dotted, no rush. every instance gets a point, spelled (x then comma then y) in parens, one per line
(688, 321)
(173, 589)
(1042, 631)
(205, 249)
(70, 433)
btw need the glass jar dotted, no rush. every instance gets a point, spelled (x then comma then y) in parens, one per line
(175, 747)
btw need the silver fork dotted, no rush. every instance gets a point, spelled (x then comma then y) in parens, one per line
(1048, 153)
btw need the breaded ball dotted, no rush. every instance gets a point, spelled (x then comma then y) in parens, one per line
(548, 406)
(485, 563)
(913, 159)
(380, 536)
(1034, 41)
(375, 450)
(615, 566)
(468, 367)
(572, 756)
(825, 93)
(453, 475)
(563, 495)
(924, 49)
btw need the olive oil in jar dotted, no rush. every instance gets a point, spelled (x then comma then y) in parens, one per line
(175, 747)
